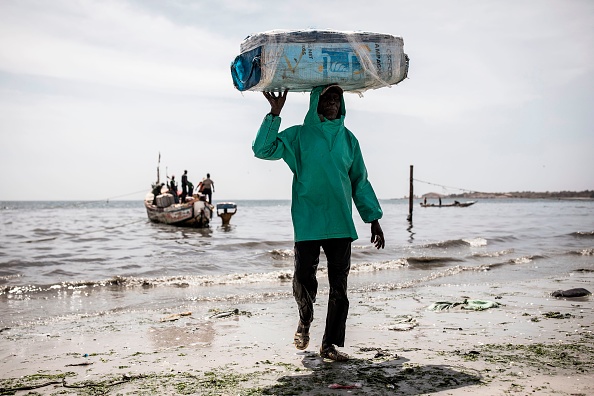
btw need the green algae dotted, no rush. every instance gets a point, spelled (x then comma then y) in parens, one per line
(384, 373)
(575, 356)
(9, 386)
(375, 375)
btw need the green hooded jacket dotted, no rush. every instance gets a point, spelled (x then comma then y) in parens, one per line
(328, 173)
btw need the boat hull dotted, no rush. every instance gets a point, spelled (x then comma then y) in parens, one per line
(195, 214)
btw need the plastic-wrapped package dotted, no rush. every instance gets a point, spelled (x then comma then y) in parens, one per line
(165, 200)
(302, 59)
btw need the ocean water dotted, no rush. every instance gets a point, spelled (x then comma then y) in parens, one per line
(59, 259)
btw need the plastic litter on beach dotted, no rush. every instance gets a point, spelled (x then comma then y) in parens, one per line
(475, 305)
(225, 314)
(79, 364)
(403, 323)
(176, 316)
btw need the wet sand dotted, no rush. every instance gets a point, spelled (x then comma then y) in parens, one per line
(531, 344)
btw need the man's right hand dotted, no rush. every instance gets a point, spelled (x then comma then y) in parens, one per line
(276, 102)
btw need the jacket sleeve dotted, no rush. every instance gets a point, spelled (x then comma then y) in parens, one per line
(363, 195)
(267, 145)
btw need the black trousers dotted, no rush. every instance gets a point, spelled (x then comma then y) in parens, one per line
(305, 284)
(184, 193)
(208, 193)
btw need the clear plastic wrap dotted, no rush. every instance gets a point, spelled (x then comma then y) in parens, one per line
(302, 59)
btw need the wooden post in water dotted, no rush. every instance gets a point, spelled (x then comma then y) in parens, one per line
(410, 196)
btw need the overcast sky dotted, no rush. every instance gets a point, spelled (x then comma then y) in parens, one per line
(500, 96)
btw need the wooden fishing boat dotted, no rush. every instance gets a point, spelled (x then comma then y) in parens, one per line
(195, 212)
(453, 204)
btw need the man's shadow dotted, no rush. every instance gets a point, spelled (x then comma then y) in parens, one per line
(382, 373)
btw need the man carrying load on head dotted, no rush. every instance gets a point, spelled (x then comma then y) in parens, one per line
(328, 175)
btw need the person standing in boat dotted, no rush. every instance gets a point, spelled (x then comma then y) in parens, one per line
(207, 187)
(173, 189)
(190, 189)
(328, 175)
(184, 183)
(157, 191)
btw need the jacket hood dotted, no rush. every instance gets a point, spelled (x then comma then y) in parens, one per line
(312, 117)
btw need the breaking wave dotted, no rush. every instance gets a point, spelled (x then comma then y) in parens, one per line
(452, 271)
(583, 234)
(472, 242)
(124, 282)
(583, 252)
(380, 266)
(282, 254)
(493, 254)
(516, 261)
(476, 242)
(428, 262)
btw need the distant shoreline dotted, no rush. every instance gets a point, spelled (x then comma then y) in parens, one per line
(564, 195)
(577, 195)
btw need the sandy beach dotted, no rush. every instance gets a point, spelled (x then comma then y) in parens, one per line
(531, 344)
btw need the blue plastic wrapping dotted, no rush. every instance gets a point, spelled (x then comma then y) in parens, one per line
(302, 59)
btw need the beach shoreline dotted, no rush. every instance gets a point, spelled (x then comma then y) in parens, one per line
(532, 343)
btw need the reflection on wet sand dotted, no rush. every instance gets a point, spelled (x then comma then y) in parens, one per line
(194, 333)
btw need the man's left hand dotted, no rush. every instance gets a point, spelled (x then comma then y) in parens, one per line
(377, 235)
